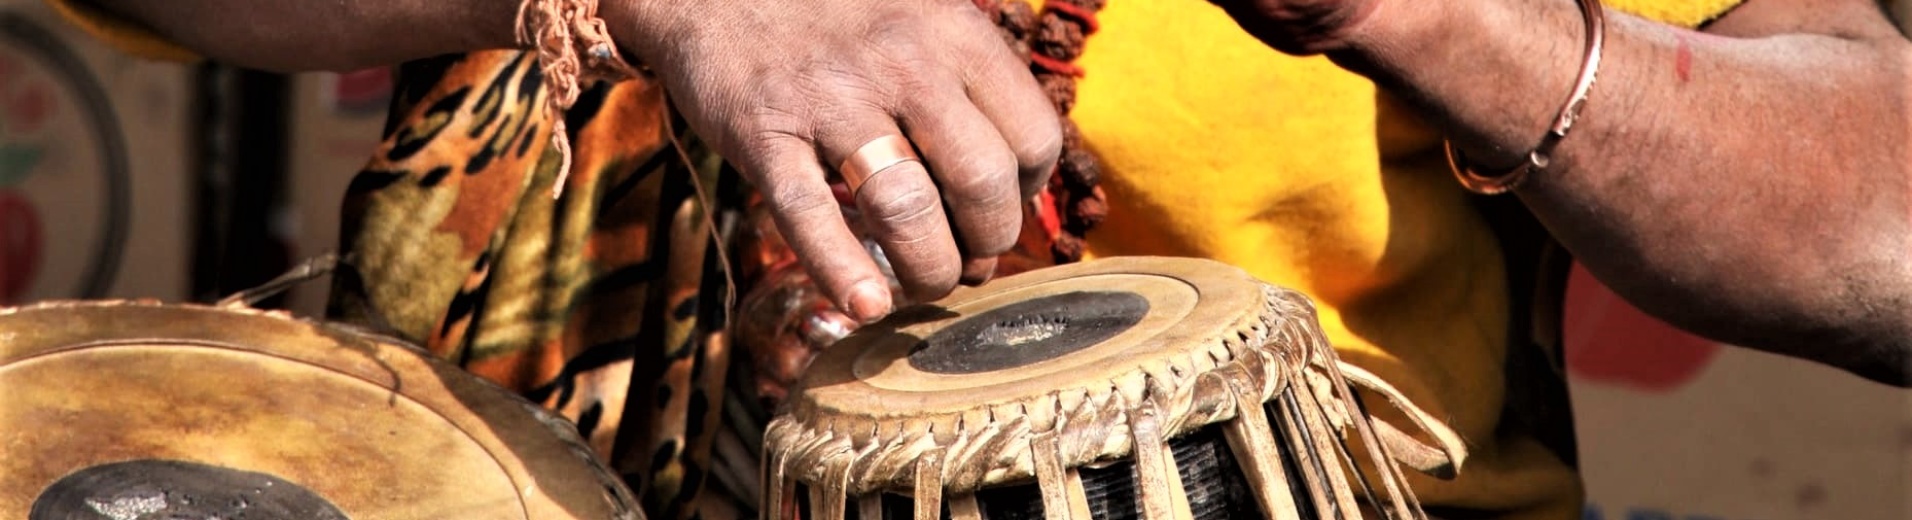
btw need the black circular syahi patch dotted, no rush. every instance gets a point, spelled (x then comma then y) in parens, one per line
(1028, 332)
(177, 490)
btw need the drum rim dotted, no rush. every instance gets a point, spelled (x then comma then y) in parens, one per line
(1224, 297)
(500, 422)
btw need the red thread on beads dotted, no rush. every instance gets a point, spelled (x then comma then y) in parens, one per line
(1072, 204)
(1087, 17)
(1055, 66)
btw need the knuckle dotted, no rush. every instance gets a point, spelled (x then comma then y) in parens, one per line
(764, 153)
(896, 31)
(1041, 141)
(768, 134)
(797, 202)
(926, 267)
(777, 95)
(940, 283)
(936, 282)
(906, 212)
(987, 179)
(779, 115)
(996, 237)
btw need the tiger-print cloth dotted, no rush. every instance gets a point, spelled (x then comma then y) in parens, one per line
(589, 303)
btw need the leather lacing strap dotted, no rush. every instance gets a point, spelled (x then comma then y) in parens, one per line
(574, 49)
(1442, 460)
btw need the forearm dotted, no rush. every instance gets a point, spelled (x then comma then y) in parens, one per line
(301, 35)
(1752, 190)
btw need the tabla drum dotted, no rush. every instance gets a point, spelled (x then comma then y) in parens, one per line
(124, 410)
(1152, 388)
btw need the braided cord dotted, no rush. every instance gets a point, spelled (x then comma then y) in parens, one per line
(574, 49)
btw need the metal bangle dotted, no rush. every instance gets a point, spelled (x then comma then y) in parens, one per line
(1495, 183)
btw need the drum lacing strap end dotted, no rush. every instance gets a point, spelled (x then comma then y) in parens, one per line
(829, 496)
(929, 485)
(1163, 497)
(1251, 436)
(1444, 460)
(307, 270)
(1063, 497)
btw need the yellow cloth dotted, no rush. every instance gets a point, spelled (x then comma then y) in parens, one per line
(1299, 172)
(128, 37)
(1216, 146)
(1684, 13)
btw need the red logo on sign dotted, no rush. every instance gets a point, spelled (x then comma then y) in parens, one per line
(361, 91)
(24, 109)
(19, 246)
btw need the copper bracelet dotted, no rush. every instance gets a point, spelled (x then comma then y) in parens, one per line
(1496, 183)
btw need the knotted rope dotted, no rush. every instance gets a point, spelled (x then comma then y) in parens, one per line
(574, 49)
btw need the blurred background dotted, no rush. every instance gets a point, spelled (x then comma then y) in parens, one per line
(125, 178)
(122, 178)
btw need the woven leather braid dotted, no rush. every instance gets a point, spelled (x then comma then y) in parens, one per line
(1051, 41)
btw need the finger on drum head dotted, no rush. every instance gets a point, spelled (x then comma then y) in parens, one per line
(976, 271)
(792, 181)
(1004, 91)
(902, 209)
(974, 168)
(904, 214)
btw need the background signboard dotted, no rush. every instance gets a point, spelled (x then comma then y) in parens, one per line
(1675, 427)
(94, 165)
(336, 123)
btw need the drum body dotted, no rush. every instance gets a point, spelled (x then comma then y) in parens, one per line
(1151, 388)
(135, 410)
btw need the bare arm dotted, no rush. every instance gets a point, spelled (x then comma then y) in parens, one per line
(786, 90)
(302, 35)
(1750, 183)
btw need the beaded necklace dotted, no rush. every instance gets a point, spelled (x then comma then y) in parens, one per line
(1051, 41)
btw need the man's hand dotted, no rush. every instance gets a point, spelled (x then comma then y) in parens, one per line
(788, 90)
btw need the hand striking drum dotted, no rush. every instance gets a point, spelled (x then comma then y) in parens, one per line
(125, 411)
(1151, 388)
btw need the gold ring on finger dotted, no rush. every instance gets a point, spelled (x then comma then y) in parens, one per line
(874, 157)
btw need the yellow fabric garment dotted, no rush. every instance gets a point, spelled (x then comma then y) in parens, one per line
(1299, 172)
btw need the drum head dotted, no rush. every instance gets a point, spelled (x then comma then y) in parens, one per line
(1013, 346)
(124, 411)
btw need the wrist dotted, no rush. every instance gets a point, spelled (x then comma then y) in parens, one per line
(1304, 30)
(1385, 40)
(1491, 73)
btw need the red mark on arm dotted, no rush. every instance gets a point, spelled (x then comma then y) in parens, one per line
(1683, 60)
